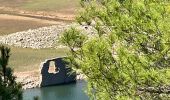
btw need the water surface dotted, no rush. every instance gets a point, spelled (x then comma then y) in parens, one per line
(74, 91)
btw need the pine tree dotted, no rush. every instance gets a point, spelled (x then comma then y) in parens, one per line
(129, 55)
(9, 88)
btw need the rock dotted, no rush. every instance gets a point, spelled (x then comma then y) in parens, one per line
(44, 37)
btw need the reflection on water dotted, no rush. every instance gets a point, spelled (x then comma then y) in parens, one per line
(73, 91)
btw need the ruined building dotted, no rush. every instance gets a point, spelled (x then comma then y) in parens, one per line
(56, 74)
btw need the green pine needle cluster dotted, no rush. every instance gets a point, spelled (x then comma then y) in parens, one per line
(129, 57)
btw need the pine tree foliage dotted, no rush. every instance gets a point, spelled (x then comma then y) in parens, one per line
(129, 57)
(9, 88)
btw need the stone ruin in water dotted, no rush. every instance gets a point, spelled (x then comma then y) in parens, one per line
(57, 74)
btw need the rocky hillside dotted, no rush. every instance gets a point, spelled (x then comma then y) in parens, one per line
(44, 37)
(34, 38)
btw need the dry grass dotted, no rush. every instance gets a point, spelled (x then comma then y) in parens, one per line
(27, 59)
(67, 6)
(63, 10)
(8, 26)
(10, 23)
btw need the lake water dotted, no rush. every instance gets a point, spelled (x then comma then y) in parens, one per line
(74, 91)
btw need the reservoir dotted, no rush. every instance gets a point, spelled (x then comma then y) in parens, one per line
(73, 91)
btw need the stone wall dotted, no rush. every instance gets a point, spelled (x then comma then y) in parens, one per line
(61, 76)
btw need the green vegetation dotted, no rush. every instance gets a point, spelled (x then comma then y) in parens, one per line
(27, 59)
(129, 56)
(9, 89)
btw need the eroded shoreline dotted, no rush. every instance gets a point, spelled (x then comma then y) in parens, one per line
(31, 79)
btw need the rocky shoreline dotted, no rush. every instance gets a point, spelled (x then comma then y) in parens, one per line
(44, 37)
(31, 79)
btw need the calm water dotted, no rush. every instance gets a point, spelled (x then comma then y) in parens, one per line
(73, 91)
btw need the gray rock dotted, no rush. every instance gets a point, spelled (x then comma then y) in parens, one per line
(44, 37)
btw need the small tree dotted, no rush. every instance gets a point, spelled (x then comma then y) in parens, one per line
(9, 89)
(129, 56)
(4, 60)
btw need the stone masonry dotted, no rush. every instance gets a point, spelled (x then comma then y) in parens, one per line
(61, 76)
